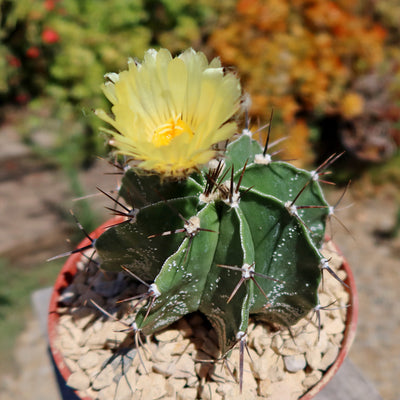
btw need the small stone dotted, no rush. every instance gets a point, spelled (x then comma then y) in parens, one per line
(260, 366)
(336, 339)
(226, 389)
(209, 391)
(321, 342)
(66, 342)
(83, 316)
(330, 252)
(343, 298)
(259, 339)
(329, 357)
(264, 387)
(164, 369)
(248, 393)
(290, 388)
(124, 391)
(153, 385)
(89, 360)
(325, 300)
(192, 381)
(249, 381)
(78, 381)
(144, 366)
(295, 363)
(277, 343)
(174, 386)
(305, 340)
(311, 379)
(276, 371)
(104, 378)
(187, 394)
(72, 365)
(289, 348)
(107, 393)
(109, 334)
(334, 324)
(181, 347)
(167, 335)
(185, 367)
(313, 357)
(167, 350)
(221, 374)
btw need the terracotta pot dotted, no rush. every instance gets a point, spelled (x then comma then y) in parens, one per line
(69, 270)
(349, 334)
(63, 280)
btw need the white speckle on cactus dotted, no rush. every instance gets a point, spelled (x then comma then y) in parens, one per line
(247, 132)
(210, 198)
(263, 159)
(324, 264)
(192, 225)
(134, 326)
(153, 290)
(292, 209)
(241, 335)
(132, 215)
(247, 270)
(214, 163)
(235, 199)
(231, 199)
(314, 175)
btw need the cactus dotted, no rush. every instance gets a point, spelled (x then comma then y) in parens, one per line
(235, 239)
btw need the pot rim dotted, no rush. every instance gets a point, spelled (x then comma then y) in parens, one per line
(349, 333)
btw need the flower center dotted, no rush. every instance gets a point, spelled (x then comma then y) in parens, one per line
(166, 132)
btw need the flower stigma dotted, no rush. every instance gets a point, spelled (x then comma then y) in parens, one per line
(165, 133)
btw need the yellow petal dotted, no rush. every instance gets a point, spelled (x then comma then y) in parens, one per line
(169, 112)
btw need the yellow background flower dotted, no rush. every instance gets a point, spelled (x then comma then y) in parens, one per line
(170, 111)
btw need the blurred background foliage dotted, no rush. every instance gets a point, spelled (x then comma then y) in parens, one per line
(54, 53)
(330, 69)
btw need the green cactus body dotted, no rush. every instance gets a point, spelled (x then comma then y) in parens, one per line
(239, 239)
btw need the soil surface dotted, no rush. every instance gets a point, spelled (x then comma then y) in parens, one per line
(39, 193)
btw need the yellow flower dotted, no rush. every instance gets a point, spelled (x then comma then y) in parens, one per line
(169, 112)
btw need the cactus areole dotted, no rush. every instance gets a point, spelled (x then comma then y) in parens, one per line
(236, 239)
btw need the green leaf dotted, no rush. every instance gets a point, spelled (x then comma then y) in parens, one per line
(241, 150)
(227, 318)
(129, 244)
(285, 182)
(283, 251)
(182, 278)
(140, 189)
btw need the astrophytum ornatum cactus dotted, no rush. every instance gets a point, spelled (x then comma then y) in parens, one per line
(236, 240)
